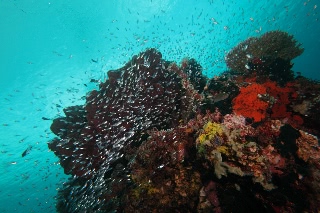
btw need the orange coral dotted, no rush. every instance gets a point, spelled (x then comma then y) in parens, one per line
(248, 104)
(254, 100)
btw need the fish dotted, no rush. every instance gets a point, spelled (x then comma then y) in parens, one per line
(27, 151)
(94, 80)
(218, 97)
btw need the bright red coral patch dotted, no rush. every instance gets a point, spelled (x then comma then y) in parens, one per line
(248, 104)
(254, 100)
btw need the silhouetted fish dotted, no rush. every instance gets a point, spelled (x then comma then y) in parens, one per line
(94, 80)
(27, 151)
(46, 119)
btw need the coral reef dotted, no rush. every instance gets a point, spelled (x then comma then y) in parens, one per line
(241, 157)
(146, 93)
(194, 70)
(307, 104)
(161, 137)
(160, 172)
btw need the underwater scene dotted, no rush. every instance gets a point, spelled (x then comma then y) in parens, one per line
(160, 106)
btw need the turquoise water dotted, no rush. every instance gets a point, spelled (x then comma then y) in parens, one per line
(51, 49)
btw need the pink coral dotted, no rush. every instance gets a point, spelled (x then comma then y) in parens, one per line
(238, 122)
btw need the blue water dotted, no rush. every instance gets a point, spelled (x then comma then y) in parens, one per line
(50, 50)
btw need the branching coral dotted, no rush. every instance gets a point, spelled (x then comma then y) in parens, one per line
(273, 44)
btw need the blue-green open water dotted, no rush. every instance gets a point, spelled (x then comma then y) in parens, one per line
(49, 51)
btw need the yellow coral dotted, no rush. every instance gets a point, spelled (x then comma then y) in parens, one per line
(202, 138)
(223, 150)
(210, 130)
(213, 128)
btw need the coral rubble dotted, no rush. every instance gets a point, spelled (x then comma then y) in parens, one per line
(160, 137)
